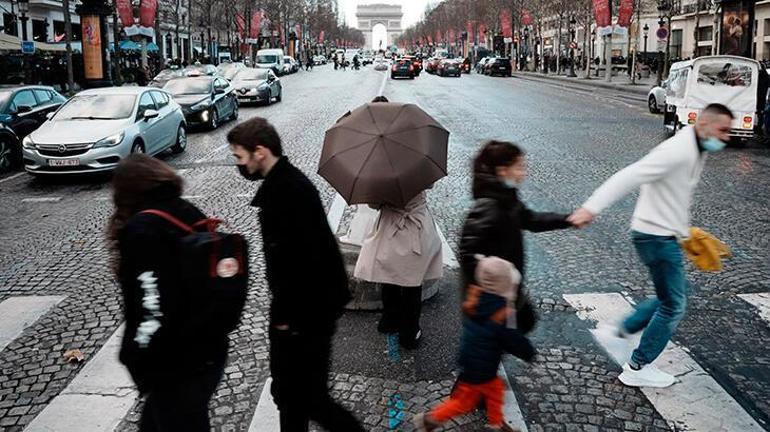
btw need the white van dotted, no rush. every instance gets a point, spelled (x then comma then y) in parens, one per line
(270, 59)
(739, 83)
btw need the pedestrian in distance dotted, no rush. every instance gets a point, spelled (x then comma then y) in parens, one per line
(495, 224)
(306, 276)
(489, 331)
(666, 177)
(173, 359)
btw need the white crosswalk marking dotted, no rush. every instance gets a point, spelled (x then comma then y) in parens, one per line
(266, 417)
(696, 402)
(96, 400)
(511, 411)
(761, 301)
(18, 313)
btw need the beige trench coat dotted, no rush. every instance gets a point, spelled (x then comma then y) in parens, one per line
(404, 247)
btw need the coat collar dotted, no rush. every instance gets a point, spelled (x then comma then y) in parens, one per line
(489, 186)
(280, 169)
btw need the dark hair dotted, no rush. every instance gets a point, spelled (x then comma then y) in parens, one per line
(138, 181)
(495, 154)
(256, 132)
(380, 99)
(719, 109)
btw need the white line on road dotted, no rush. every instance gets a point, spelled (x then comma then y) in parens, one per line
(334, 216)
(761, 301)
(384, 81)
(12, 177)
(41, 199)
(511, 410)
(696, 402)
(18, 313)
(266, 417)
(448, 256)
(96, 400)
(192, 197)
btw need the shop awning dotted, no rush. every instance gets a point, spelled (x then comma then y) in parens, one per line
(13, 43)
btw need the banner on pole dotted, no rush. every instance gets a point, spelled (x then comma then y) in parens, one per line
(603, 15)
(625, 13)
(92, 46)
(505, 23)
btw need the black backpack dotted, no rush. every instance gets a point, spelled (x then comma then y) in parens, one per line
(214, 266)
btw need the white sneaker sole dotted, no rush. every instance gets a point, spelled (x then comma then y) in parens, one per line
(633, 382)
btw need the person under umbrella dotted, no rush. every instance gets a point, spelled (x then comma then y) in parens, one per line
(403, 250)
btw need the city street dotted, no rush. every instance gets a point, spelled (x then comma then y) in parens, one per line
(54, 258)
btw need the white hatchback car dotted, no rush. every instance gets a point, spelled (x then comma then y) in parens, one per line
(656, 98)
(97, 128)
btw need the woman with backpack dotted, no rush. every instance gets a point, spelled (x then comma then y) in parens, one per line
(173, 364)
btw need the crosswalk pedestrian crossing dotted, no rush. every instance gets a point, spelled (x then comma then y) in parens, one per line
(102, 393)
(695, 402)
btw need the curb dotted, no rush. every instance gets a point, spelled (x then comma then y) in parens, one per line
(635, 90)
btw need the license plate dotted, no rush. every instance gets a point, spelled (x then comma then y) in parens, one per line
(63, 162)
(502, 68)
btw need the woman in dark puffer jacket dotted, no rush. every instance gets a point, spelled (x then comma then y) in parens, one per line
(495, 223)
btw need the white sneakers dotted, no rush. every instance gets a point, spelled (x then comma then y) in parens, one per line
(647, 376)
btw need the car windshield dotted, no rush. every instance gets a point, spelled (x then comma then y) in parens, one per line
(725, 74)
(267, 59)
(97, 107)
(251, 75)
(188, 86)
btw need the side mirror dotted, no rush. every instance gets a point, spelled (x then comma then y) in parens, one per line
(219, 90)
(49, 116)
(150, 114)
(21, 109)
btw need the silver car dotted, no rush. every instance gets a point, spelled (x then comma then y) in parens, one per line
(656, 98)
(97, 128)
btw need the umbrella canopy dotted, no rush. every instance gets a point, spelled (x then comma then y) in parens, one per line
(384, 153)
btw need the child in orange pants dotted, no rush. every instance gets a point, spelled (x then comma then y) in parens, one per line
(488, 316)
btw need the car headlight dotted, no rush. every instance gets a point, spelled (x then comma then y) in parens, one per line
(27, 142)
(262, 87)
(201, 105)
(110, 141)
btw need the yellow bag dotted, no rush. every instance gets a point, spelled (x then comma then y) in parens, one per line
(705, 251)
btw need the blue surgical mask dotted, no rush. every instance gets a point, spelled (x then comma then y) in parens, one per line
(713, 145)
(510, 184)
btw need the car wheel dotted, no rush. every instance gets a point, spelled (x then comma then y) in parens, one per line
(137, 148)
(8, 156)
(234, 115)
(392, 76)
(181, 140)
(411, 76)
(213, 119)
(652, 104)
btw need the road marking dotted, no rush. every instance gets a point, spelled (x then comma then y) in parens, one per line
(511, 410)
(18, 313)
(192, 197)
(695, 402)
(448, 255)
(12, 177)
(266, 417)
(96, 400)
(335, 212)
(41, 199)
(761, 301)
(384, 81)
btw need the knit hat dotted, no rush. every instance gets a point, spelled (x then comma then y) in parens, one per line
(498, 276)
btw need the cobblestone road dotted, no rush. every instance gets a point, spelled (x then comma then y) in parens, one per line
(51, 243)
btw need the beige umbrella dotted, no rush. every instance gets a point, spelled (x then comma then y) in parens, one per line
(384, 153)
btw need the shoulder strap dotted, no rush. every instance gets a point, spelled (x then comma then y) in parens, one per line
(169, 218)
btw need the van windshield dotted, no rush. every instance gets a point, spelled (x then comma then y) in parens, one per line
(268, 59)
(725, 74)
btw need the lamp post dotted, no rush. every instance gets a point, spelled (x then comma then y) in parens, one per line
(201, 25)
(646, 30)
(593, 50)
(572, 23)
(661, 23)
(24, 10)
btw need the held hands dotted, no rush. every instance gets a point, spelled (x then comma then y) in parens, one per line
(581, 218)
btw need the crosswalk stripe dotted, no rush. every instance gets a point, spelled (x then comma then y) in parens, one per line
(511, 410)
(266, 417)
(696, 402)
(18, 313)
(96, 400)
(761, 301)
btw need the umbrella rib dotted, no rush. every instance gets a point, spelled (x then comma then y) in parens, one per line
(374, 121)
(398, 180)
(421, 154)
(347, 150)
(353, 130)
(401, 111)
(355, 181)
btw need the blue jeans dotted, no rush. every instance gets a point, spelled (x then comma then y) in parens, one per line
(659, 317)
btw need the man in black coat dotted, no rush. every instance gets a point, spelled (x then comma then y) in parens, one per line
(306, 275)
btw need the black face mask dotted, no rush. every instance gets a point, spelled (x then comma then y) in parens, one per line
(244, 171)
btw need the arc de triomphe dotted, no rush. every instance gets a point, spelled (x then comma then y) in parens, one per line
(373, 14)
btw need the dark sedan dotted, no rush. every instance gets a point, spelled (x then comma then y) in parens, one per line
(498, 66)
(257, 86)
(22, 111)
(416, 62)
(402, 68)
(449, 68)
(205, 100)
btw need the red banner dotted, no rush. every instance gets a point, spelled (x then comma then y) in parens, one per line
(430, 39)
(452, 35)
(321, 36)
(438, 36)
(603, 13)
(125, 12)
(469, 29)
(240, 24)
(526, 17)
(481, 29)
(625, 12)
(505, 23)
(256, 23)
(147, 11)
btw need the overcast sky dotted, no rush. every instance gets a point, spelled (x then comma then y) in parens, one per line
(413, 9)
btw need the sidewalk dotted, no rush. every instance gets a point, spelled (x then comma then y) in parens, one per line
(619, 83)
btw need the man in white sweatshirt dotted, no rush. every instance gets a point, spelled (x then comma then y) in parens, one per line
(667, 178)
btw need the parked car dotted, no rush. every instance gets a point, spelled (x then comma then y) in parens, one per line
(402, 68)
(290, 65)
(449, 68)
(500, 66)
(197, 70)
(257, 86)
(228, 70)
(164, 76)
(205, 100)
(22, 110)
(97, 128)
(656, 98)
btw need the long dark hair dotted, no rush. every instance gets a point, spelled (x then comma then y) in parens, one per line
(492, 155)
(138, 181)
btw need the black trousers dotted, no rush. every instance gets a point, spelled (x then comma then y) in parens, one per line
(181, 403)
(401, 309)
(299, 365)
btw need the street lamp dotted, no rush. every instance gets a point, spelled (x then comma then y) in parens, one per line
(661, 23)
(593, 50)
(572, 23)
(646, 30)
(24, 9)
